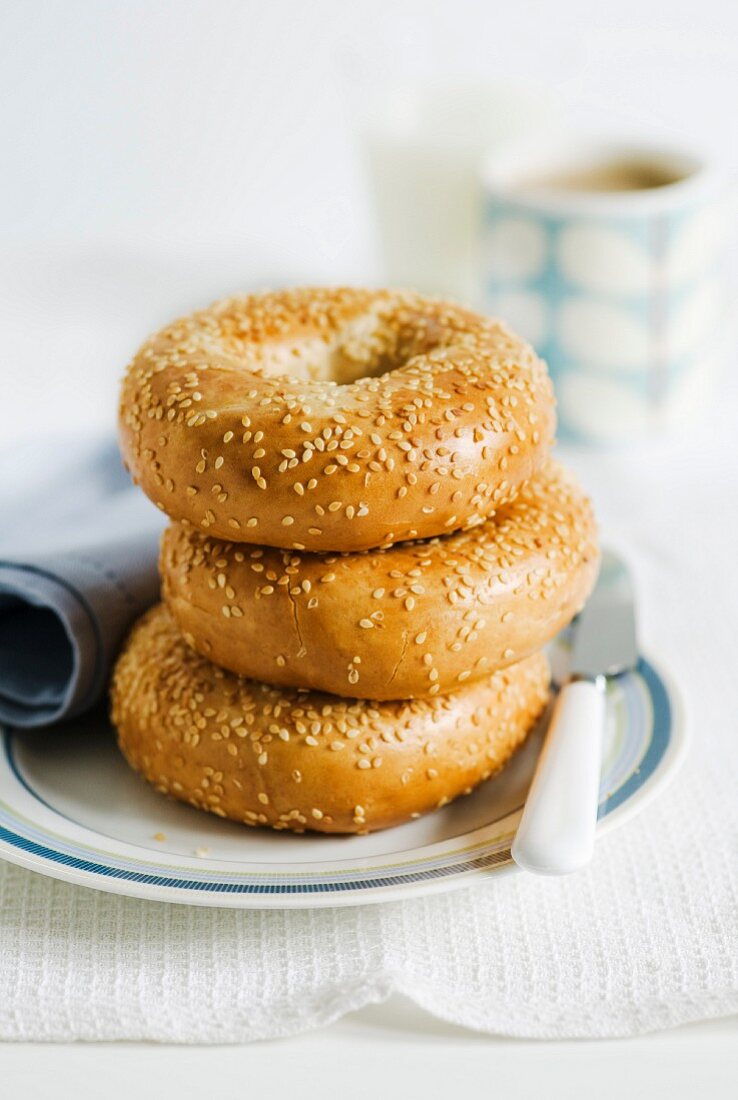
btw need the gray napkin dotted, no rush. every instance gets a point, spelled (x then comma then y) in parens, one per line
(78, 553)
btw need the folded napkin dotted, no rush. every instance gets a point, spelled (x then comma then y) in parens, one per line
(77, 566)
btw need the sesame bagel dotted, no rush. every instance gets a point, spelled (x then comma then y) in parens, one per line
(345, 419)
(417, 619)
(295, 760)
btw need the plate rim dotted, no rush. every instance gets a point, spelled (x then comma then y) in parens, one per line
(494, 863)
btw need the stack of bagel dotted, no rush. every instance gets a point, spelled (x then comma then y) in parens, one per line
(369, 548)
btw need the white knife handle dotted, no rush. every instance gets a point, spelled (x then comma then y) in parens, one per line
(557, 830)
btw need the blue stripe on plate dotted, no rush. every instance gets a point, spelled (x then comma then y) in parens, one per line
(478, 862)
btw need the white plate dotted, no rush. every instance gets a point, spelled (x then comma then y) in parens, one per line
(71, 808)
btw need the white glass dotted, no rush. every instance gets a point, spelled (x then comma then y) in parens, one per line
(424, 146)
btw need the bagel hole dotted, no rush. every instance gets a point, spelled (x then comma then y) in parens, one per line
(366, 347)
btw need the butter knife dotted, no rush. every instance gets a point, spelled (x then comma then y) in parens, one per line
(556, 833)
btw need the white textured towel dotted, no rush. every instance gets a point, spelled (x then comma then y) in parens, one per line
(646, 938)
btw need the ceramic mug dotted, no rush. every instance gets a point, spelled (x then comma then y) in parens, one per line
(606, 257)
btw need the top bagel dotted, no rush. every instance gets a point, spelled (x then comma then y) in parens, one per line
(334, 419)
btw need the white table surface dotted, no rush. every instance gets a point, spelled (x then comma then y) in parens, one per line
(393, 1049)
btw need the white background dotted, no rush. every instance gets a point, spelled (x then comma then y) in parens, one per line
(159, 154)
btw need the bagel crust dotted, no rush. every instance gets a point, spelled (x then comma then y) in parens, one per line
(414, 620)
(343, 419)
(295, 760)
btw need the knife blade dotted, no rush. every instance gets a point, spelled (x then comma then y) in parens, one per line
(605, 631)
(557, 829)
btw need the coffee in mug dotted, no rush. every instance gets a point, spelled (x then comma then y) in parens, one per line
(609, 175)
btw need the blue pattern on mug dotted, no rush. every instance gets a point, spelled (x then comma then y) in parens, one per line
(624, 309)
